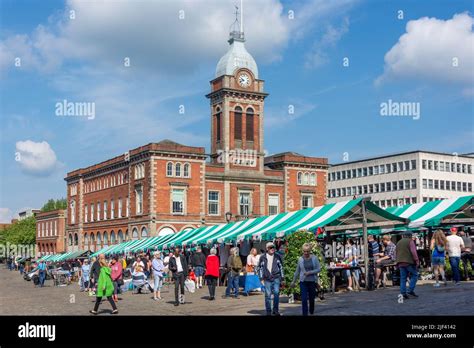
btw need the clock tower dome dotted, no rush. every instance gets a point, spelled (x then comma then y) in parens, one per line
(237, 101)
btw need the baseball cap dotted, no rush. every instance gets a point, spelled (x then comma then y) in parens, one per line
(270, 245)
(453, 229)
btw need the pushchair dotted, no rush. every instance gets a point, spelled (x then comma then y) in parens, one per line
(140, 284)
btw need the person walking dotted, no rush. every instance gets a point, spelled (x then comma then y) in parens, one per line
(455, 245)
(270, 269)
(466, 256)
(234, 266)
(42, 273)
(408, 262)
(85, 275)
(306, 272)
(179, 268)
(105, 287)
(116, 268)
(438, 246)
(95, 272)
(212, 273)
(157, 266)
(198, 262)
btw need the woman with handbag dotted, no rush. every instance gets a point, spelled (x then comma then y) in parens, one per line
(252, 261)
(116, 275)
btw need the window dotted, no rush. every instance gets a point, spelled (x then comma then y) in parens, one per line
(300, 178)
(218, 126)
(119, 214)
(441, 184)
(106, 239)
(273, 204)
(139, 200)
(413, 164)
(425, 183)
(423, 164)
(73, 212)
(177, 171)
(464, 168)
(305, 179)
(312, 180)
(400, 185)
(105, 210)
(238, 123)
(112, 209)
(86, 214)
(169, 169)
(365, 189)
(441, 166)
(306, 201)
(186, 170)
(112, 237)
(382, 187)
(469, 186)
(354, 173)
(413, 200)
(99, 239)
(144, 233)
(371, 188)
(371, 170)
(134, 234)
(213, 202)
(177, 201)
(359, 172)
(376, 170)
(127, 207)
(98, 211)
(413, 184)
(407, 184)
(430, 184)
(448, 167)
(394, 167)
(436, 166)
(430, 165)
(389, 186)
(453, 167)
(376, 188)
(382, 169)
(364, 171)
(458, 186)
(244, 203)
(92, 212)
(249, 125)
(469, 169)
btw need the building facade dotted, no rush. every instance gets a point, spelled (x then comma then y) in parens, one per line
(22, 215)
(165, 187)
(404, 178)
(50, 232)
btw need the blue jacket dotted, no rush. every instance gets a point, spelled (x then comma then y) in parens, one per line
(300, 270)
(277, 268)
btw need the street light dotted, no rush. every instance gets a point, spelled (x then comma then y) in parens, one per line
(228, 216)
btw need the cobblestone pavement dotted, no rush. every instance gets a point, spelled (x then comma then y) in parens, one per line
(19, 297)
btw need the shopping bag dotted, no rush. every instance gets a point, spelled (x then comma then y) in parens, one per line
(189, 285)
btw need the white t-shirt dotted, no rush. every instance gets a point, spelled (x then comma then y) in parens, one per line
(135, 264)
(270, 262)
(252, 260)
(178, 264)
(455, 243)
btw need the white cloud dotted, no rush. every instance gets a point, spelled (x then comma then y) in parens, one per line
(428, 49)
(318, 55)
(35, 158)
(5, 215)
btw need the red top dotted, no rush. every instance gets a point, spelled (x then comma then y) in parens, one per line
(212, 266)
(116, 271)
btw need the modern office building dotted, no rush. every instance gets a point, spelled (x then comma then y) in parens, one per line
(402, 178)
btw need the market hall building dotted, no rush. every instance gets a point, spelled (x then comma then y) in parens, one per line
(165, 187)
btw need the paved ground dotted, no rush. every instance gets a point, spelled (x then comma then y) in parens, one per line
(19, 297)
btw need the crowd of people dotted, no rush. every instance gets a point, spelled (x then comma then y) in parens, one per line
(191, 270)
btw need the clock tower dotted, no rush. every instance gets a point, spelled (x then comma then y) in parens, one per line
(237, 108)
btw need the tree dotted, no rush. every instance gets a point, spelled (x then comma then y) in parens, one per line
(52, 204)
(293, 252)
(21, 232)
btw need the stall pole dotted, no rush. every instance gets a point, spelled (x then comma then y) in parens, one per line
(366, 244)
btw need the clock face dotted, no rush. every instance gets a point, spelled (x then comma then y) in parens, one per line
(244, 80)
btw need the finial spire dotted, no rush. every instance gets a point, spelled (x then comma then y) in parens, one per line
(237, 28)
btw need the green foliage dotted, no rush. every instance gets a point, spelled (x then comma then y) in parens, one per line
(449, 271)
(22, 232)
(54, 204)
(293, 252)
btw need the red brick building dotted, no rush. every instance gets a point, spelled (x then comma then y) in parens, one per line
(50, 232)
(165, 187)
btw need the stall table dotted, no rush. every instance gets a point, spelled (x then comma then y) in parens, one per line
(332, 274)
(250, 282)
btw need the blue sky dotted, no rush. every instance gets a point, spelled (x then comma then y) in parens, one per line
(337, 108)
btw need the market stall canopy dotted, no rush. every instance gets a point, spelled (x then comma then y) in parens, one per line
(435, 213)
(71, 255)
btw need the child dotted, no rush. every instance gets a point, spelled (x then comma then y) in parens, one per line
(191, 275)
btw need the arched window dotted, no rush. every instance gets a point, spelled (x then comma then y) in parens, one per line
(166, 231)
(134, 234)
(300, 178)
(313, 179)
(249, 125)
(106, 239)
(218, 125)
(169, 169)
(120, 236)
(99, 239)
(86, 241)
(186, 170)
(178, 169)
(306, 179)
(112, 237)
(73, 212)
(238, 123)
(144, 233)
(70, 240)
(76, 239)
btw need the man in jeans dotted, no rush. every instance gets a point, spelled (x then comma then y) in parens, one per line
(179, 267)
(407, 262)
(455, 245)
(42, 273)
(270, 271)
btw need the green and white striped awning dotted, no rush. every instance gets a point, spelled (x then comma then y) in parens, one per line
(435, 213)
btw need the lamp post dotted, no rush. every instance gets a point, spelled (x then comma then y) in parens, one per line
(228, 216)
